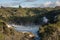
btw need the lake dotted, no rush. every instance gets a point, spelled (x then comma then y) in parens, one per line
(28, 28)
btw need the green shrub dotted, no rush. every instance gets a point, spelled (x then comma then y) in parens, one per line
(2, 36)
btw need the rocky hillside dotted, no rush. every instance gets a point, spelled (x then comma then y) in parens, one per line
(27, 15)
(9, 33)
(50, 31)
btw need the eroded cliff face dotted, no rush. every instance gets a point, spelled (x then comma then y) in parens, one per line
(50, 32)
(9, 33)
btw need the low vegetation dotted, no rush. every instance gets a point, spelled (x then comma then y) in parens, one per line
(50, 31)
(11, 34)
(27, 15)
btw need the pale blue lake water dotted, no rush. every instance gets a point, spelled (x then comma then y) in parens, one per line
(26, 28)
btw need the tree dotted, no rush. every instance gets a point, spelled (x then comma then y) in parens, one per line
(20, 6)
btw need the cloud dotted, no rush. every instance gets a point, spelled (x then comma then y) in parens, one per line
(48, 4)
(45, 4)
(30, 0)
(30, 3)
(52, 4)
(10, 4)
(57, 3)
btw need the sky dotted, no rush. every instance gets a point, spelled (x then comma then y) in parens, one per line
(30, 3)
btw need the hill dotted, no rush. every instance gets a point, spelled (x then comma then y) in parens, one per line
(9, 33)
(27, 15)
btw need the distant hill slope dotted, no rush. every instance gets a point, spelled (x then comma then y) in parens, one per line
(26, 15)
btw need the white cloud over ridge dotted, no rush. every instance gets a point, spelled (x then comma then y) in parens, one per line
(58, 3)
(30, 0)
(16, 3)
(48, 4)
(51, 4)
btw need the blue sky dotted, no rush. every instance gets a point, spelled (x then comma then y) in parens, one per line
(30, 3)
